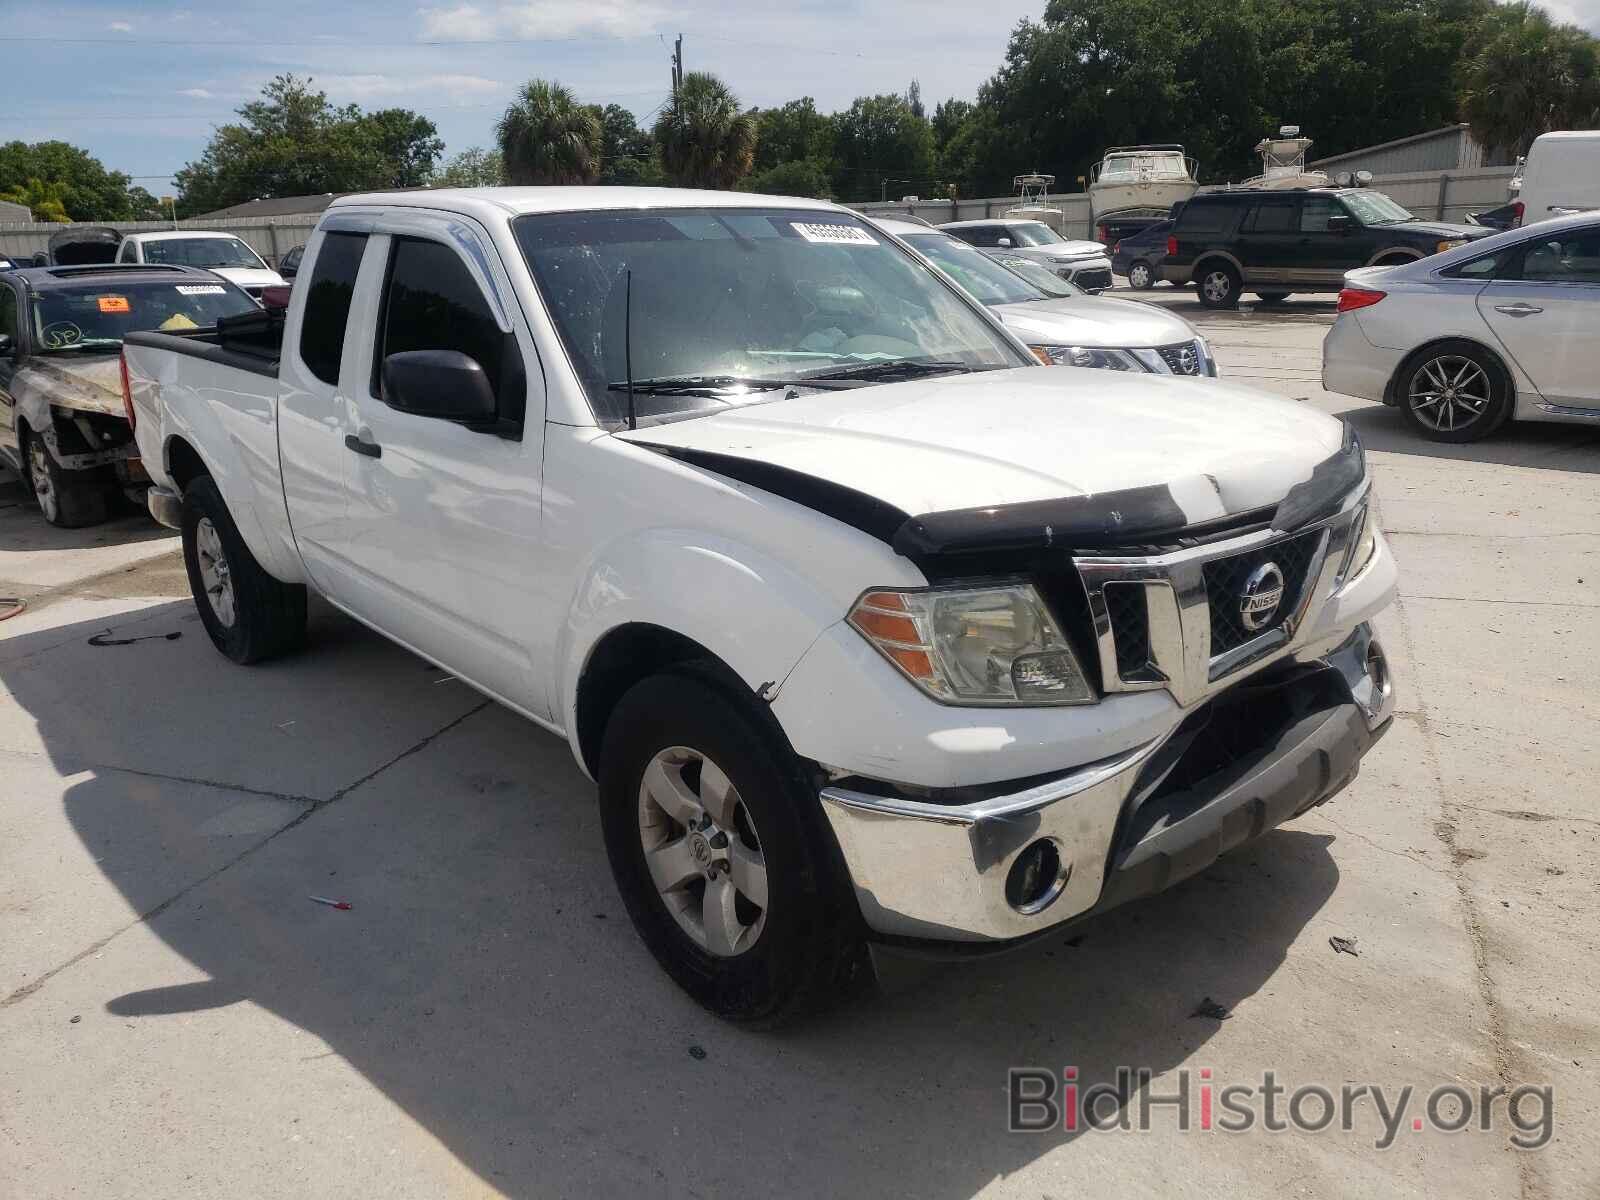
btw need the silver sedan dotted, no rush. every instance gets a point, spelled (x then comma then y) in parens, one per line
(1461, 342)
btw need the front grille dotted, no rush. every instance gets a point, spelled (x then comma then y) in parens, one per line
(1182, 359)
(1129, 611)
(1100, 277)
(1226, 579)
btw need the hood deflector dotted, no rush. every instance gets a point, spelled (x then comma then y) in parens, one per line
(1142, 517)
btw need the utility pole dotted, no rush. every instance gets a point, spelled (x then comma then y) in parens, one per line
(677, 66)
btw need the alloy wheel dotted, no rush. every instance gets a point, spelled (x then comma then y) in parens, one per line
(1218, 286)
(702, 851)
(39, 479)
(214, 573)
(1450, 392)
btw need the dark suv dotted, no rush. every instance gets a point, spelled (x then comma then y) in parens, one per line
(1295, 240)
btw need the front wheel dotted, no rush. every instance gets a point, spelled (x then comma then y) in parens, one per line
(718, 850)
(1141, 277)
(248, 614)
(1454, 392)
(67, 499)
(1219, 287)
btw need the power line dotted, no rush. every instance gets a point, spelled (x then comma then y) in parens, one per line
(233, 112)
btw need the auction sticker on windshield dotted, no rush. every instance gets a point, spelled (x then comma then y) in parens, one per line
(849, 235)
(201, 289)
(113, 304)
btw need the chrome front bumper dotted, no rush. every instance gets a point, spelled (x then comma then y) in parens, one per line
(931, 871)
(165, 506)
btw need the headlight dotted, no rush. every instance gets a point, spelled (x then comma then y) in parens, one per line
(1450, 245)
(1087, 356)
(987, 645)
(1208, 361)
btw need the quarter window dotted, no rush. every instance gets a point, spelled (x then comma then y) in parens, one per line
(327, 310)
(433, 303)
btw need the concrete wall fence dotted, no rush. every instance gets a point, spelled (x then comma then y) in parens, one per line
(1439, 195)
(1434, 195)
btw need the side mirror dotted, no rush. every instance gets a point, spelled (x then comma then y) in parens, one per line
(439, 383)
(287, 271)
(1004, 243)
(1340, 225)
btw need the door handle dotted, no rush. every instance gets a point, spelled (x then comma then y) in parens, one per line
(1518, 310)
(370, 449)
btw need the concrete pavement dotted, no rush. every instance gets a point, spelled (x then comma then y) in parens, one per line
(178, 1019)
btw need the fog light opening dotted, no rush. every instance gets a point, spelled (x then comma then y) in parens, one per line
(1377, 670)
(1037, 878)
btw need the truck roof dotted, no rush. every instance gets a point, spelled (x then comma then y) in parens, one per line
(168, 235)
(518, 201)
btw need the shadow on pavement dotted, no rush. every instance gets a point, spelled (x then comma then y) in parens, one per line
(1519, 444)
(486, 978)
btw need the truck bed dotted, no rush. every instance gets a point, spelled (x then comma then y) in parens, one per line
(250, 342)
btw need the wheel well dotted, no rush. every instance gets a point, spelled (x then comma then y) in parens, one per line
(1400, 372)
(1203, 264)
(623, 657)
(184, 463)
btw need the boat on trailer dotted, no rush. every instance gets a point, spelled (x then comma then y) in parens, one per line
(1142, 177)
(1033, 202)
(1283, 163)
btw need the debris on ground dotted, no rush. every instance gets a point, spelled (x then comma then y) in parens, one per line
(1210, 1008)
(697, 1053)
(1344, 945)
(105, 639)
(341, 905)
(10, 606)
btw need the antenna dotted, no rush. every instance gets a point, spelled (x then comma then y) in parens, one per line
(627, 345)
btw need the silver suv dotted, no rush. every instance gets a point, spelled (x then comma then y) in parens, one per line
(1086, 264)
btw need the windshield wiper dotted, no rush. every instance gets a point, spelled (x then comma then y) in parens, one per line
(900, 366)
(690, 385)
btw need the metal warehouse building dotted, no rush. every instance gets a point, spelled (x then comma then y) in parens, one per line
(1452, 148)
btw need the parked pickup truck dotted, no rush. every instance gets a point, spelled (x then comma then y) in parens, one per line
(867, 628)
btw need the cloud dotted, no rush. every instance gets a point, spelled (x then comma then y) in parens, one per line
(370, 87)
(197, 93)
(552, 19)
(120, 27)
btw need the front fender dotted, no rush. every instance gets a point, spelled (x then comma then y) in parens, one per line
(753, 612)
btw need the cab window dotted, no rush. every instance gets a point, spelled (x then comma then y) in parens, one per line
(327, 311)
(431, 302)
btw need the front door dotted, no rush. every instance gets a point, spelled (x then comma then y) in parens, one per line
(1545, 309)
(442, 529)
(1329, 247)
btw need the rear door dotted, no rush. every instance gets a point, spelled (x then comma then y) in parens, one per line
(1545, 310)
(1269, 239)
(442, 533)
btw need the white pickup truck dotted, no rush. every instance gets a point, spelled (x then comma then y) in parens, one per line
(868, 627)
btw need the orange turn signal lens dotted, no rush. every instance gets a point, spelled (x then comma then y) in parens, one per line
(914, 663)
(886, 627)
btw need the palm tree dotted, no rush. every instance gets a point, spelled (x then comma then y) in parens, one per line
(546, 136)
(705, 140)
(1528, 75)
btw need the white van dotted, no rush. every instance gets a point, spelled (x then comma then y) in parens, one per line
(1561, 175)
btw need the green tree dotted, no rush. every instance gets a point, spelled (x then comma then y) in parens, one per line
(702, 136)
(293, 141)
(1528, 75)
(547, 137)
(142, 206)
(46, 200)
(801, 177)
(83, 188)
(626, 152)
(881, 141)
(792, 132)
(473, 167)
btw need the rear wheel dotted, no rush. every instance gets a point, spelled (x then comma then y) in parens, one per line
(1454, 392)
(67, 499)
(1141, 277)
(1219, 286)
(248, 614)
(718, 850)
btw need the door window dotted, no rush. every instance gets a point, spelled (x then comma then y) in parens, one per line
(126, 253)
(1315, 212)
(327, 310)
(1573, 257)
(431, 302)
(1273, 216)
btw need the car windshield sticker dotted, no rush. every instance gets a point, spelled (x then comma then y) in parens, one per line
(113, 304)
(848, 235)
(201, 289)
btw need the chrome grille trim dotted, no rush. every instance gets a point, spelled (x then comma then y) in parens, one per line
(1176, 642)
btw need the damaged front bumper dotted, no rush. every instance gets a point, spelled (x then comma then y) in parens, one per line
(1011, 865)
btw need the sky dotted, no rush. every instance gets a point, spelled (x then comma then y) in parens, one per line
(141, 85)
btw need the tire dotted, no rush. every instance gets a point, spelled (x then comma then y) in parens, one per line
(250, 615)
(1272, 297)
(1219, 285)
(763, 956)
(1454, 392)
(1141, 276)
(67, 499)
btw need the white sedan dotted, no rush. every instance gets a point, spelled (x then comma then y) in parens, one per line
(1461, 342)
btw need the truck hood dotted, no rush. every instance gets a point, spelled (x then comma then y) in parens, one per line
(1091, 321)
(82, 384)
(1065, 250)
(1000, 438)
(249, 277)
